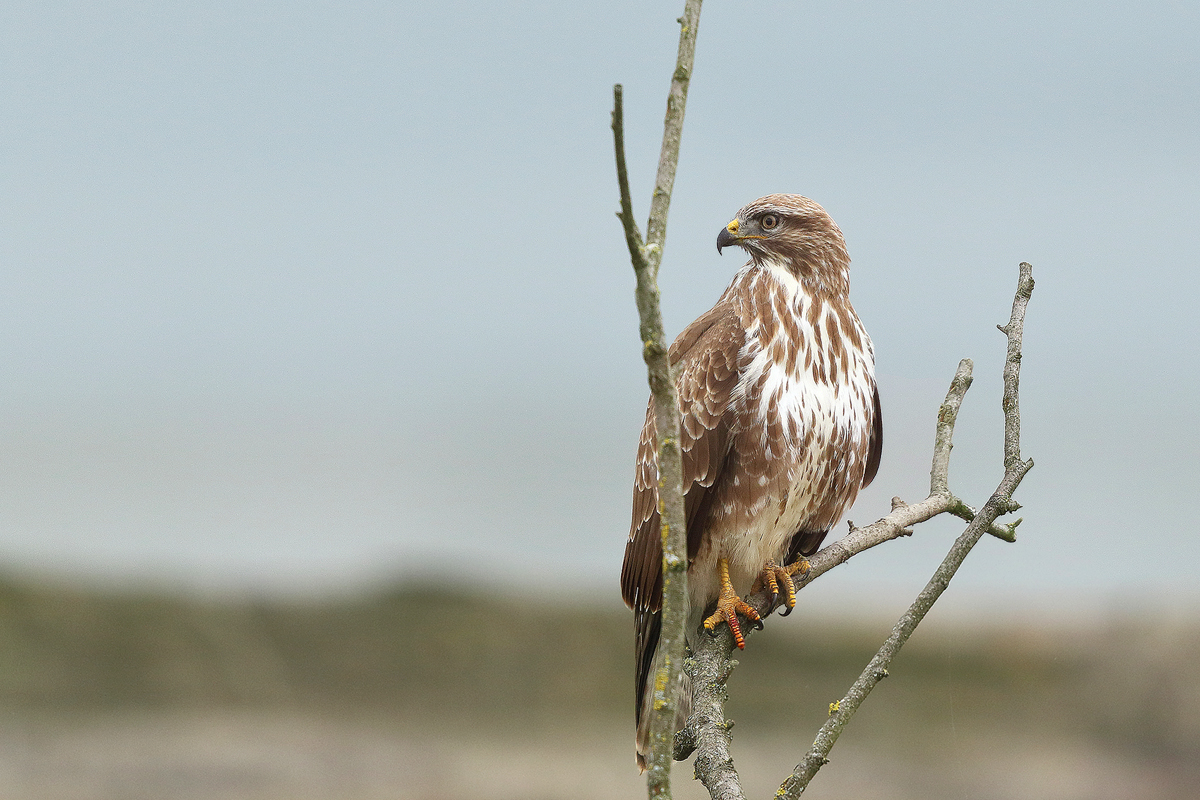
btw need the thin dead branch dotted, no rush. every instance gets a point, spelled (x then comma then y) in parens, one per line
(646, 258)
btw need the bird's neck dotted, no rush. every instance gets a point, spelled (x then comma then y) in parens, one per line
(810, 280)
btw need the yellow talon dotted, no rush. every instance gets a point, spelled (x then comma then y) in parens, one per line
(773, 576)
(729, 605)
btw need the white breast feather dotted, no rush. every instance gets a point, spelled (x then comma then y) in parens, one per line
(824, 409)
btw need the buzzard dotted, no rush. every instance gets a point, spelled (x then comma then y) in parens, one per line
(780, 428)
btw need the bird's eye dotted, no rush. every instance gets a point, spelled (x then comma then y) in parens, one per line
(768, 221)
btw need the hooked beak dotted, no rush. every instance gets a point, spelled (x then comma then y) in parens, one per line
(728, 236)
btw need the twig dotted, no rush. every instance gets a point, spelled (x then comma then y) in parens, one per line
(939, 474)
(1015, 330)
(999, 503)
(633, 237)
(664, 179)
(646, 258)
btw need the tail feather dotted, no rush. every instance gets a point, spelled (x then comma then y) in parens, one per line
(648, 627)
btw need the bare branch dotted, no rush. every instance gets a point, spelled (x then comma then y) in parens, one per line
(939, 475)
(633, 237)
(999, 503)
(646, 259)
(1015, 330)
(664, 180)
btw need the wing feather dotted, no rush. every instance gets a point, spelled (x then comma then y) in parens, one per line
(705, 356)
(875, 443)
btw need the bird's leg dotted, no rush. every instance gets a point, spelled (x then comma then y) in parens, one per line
(773, 576)
(729, 605)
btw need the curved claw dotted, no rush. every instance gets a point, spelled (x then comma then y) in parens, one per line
(729, 605)
(776, 578)
(713, 632)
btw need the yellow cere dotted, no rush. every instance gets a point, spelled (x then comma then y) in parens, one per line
(732, 227)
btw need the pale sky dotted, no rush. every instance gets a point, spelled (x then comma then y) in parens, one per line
(299, 295)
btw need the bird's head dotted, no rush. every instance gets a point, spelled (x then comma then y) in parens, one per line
(793, 232)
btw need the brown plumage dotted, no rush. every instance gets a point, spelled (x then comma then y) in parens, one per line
(781, 422)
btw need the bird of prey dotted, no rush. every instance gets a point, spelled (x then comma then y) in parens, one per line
(780, 428)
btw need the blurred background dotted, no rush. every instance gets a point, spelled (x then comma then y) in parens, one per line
(320, 386)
